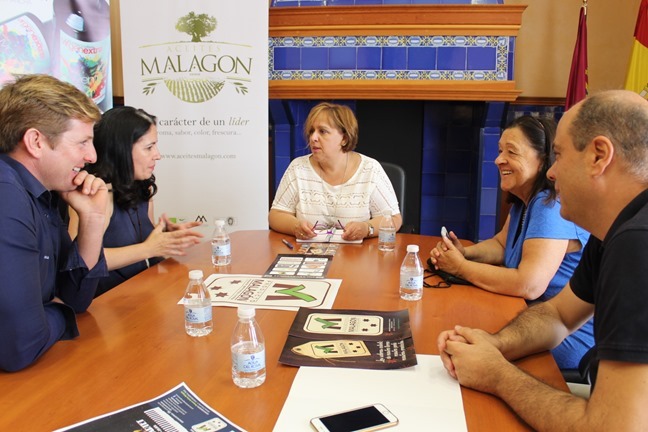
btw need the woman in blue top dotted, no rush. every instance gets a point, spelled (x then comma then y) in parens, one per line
(536, 252)
(126, 143)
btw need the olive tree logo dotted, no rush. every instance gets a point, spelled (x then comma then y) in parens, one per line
(196, 71)
(196, 26)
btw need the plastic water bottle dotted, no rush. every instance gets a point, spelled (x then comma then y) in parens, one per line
(248, 350)
(387, 233)
(198, 307)
(411, 275)
(221, 246)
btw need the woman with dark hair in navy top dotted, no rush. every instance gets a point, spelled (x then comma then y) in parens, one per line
(126, 143)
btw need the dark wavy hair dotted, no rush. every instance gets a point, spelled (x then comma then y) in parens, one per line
(114, 136)
(540, 131)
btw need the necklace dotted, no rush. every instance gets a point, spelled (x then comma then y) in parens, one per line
(337, 193)
(346, 165)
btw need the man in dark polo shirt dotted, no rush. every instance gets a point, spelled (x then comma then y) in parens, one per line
(601, 175)
(46, 130)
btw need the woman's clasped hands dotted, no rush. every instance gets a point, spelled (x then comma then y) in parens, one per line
(172, 239)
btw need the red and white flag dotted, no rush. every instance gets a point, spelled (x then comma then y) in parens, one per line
(577, 85)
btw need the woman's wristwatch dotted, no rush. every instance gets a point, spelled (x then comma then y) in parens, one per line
(371, 230)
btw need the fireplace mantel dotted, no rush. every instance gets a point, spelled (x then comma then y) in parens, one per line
(388, 41)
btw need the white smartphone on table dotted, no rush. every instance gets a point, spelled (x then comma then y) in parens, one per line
(363, 419)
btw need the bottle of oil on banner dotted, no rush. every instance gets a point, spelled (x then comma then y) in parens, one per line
(82, 47)
(24, 42)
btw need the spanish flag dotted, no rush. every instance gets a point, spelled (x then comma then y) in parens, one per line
(637, 78)
(577, 85)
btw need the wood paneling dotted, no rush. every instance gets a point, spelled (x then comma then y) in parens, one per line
(464, 20)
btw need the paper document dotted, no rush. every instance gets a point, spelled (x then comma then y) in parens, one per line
(423, 397)
(234, 290)
(178, 410)
(328, 236)
(350, 339)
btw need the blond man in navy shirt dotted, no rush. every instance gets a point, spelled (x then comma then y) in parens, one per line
(46, 130)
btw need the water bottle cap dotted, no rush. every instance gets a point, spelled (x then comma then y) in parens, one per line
(219, 222)
(412, 248)
(246, 311)
(195, 274)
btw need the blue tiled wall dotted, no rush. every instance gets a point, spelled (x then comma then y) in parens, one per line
(552, 111)
(489, 196)
(414, 57)
(450, 167)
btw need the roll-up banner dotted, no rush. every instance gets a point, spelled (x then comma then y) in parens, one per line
(69, 39)
(201, 68)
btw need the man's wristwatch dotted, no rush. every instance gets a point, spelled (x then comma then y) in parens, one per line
(371, 229)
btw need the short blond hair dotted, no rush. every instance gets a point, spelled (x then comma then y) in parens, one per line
(44, 103)
(342, 118)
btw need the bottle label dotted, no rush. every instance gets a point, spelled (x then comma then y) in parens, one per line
(85, 64)
(386, 236)
(24, 50)
(248, 363)
(221, 250)
(411, 281)
(198, 314)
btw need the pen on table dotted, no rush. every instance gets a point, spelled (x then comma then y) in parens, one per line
(341, 226)
(315, 225)
(287, 243)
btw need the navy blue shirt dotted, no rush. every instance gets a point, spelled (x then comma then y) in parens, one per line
(127, 227)
(38, 263)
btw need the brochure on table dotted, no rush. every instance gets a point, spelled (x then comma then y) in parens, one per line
(179, 409)
(328, 236)
(423, 397)
(350, 339)
(298, 265)
(269, 293)
(318, 248)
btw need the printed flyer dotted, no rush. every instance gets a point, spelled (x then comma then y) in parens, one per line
(269, 293)
(178, 410)
(350, 339)
(299, 266)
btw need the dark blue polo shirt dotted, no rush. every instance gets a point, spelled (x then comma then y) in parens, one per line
(43, 279)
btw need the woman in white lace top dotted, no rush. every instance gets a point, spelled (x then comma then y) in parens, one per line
(334, 186)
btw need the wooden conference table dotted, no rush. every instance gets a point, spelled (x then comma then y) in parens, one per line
(133, 345)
